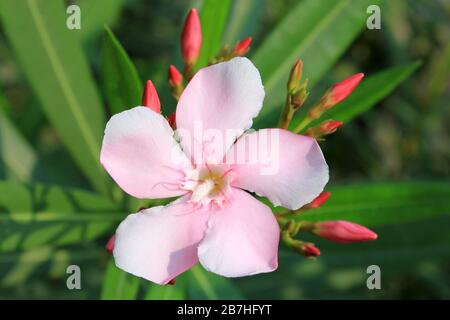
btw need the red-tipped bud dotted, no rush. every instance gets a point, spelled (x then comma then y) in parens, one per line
(110, 244)
(172, 120)
(319, 200)
(150, 97)
(191, 38)
(171, 282)
(242, 47)
(342, 90)
(310, 250)
(295, 76)
(323, 129)
(343, 232)
(175, 77)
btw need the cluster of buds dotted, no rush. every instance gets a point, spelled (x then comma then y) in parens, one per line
(297, 94)
(306, 249)
(337, 231)
(331, 98)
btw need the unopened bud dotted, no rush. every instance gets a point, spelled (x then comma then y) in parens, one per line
(324, 128)
(191, 38)
(150, 97)
(319, 200)
(343, 232)
(175, 77)
(295, 76)
(110, 244)
(242, 47)
(309, 250)
(342, 90)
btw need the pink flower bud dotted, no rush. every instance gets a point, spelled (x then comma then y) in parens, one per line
(110, 244)
(344, 232)
(242, 47)
(175, 77)
(310, 250)
(191, 38)
(342, 90)
(319, 200)
(324, 128)
(150, 97)
(172, 120)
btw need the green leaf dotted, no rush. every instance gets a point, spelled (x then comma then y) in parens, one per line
(54, 64)
(368, 93)
(16, 154)
(37, 215)
(178, 291)
(119, 285)
(121, 84)
(318, 32)
(384, 203)
(206, 285)
(213, 18)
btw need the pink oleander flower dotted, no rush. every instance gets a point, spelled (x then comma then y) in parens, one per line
(215, 220)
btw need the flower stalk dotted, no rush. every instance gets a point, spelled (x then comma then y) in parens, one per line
(296, 95)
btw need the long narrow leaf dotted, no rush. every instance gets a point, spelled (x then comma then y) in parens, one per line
(54, 64)
(121, 84)
(384, 203)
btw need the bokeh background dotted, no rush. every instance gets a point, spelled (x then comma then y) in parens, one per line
(403, 138)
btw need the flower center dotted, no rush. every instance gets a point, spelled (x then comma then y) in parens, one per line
(208, 183)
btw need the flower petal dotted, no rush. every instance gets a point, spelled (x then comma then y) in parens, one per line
(241, 239)
(287, 168)
(216, 107)
(159, 243)
(140, 154)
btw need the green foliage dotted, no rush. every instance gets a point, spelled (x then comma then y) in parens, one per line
(384, 203)
(54, 64)
(36, 215)
(16, 155)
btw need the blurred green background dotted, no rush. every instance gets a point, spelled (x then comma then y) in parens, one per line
(392, 159)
